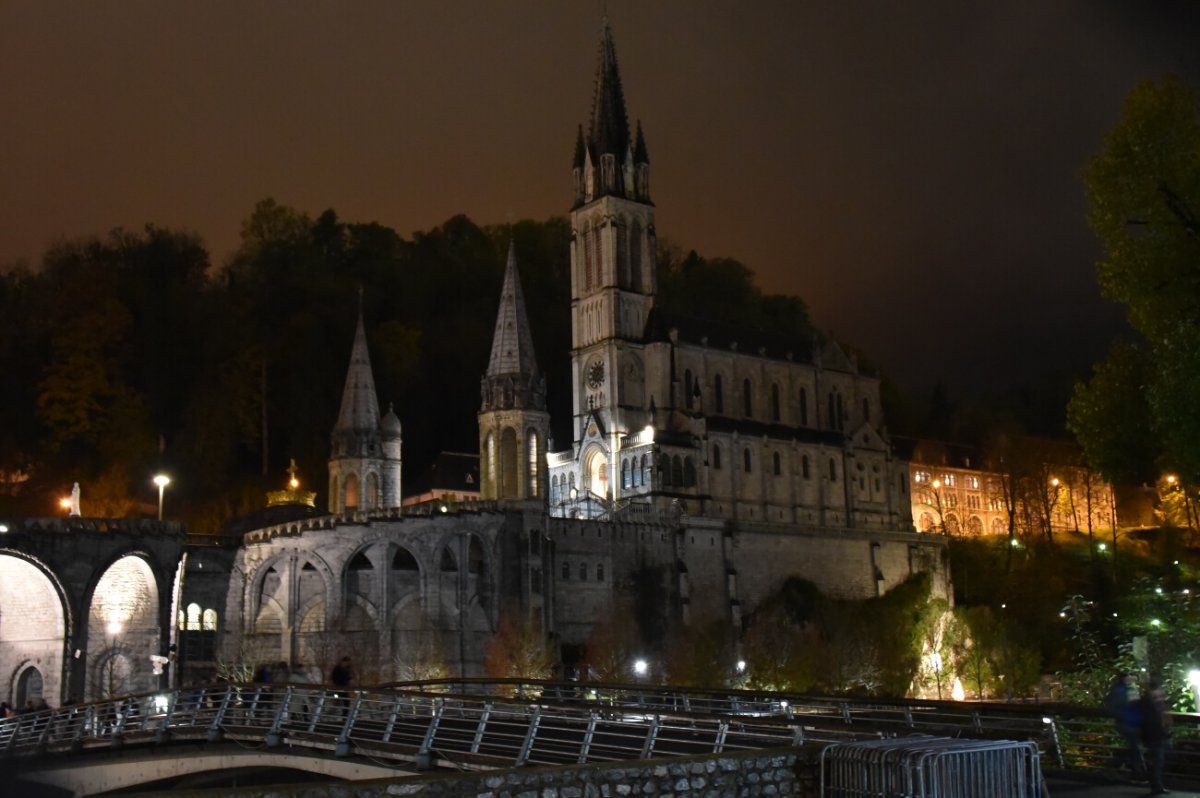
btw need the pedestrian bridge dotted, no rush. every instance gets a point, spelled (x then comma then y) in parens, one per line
(399, 730)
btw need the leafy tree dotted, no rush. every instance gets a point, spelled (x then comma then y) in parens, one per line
(519, 650)
(1144, 194)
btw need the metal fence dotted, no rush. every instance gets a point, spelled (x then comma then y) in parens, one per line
(931, 767)
(490, 723)
(424, 728)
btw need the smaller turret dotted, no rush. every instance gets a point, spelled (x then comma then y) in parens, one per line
(365, 457)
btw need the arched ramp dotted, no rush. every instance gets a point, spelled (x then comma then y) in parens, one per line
(81, 777)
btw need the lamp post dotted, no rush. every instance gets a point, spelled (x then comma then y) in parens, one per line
(162, 480)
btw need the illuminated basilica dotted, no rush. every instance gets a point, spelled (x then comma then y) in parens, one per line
(706, 462)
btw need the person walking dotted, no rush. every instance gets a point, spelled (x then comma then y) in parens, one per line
(1156, 733)
(1121, 705)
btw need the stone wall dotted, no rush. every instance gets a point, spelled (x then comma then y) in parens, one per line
(772, 774)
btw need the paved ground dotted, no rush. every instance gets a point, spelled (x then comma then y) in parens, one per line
(1074, 786)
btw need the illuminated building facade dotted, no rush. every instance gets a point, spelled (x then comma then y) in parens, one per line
(675, 414)
(954, 492)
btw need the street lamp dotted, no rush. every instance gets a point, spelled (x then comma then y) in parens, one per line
(640, 667)
(162, 480)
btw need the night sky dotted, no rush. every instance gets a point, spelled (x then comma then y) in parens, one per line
(911, 170)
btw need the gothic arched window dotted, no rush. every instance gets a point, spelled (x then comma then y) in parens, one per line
(832, 470)
(687, 389)
(803, 407)
(645, 470)
(805, 469)
(746, 460)
(718, 395)
(747, 399)
(532, 445)
(774, 401)
(677, 471)
(716, 456)
(635, 255)
(778, 463)
(689, 473)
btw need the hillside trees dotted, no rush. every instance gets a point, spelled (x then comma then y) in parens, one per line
(1144, 204)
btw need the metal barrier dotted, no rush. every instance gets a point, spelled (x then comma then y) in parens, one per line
(401, 726)
(931, 767)
(488, 723)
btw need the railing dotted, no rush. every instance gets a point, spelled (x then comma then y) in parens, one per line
(490, 723)
(1069, 737)
(424, 728)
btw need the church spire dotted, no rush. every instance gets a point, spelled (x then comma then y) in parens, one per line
(607, 162)
(357, 429)
(512, 342)
(609, 132)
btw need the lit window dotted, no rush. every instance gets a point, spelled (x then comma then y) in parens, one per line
(209, 621)
(193, 618)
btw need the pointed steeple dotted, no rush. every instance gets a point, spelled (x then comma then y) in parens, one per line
(580, 150)
(609, 132)
(640, 155)
(512, 342)
(356, 433)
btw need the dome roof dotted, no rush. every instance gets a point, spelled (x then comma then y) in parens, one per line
(390, 424)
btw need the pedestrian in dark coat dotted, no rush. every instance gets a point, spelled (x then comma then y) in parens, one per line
(1156, 733)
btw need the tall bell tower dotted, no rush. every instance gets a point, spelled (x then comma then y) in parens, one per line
(513, 423)
(612, 267)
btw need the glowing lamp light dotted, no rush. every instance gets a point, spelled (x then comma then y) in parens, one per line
(937, 483)
(1004, 606)
(65, 503)
(293, 483)
(1047, 720)
(1054, 482)
(161, 480)
(1193, 678)
(1016, 544)
(1062, 615)
(640, 667)
(1155, 622)
(1103, 547)
(957, 692)
(113, 628)
(1158, 590)
(783, 704)
(3, 528)
(1171, 479)
(741, 665)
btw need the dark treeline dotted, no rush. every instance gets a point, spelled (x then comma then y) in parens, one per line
(134, 353)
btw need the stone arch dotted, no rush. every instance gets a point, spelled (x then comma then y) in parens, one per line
(533, 458)
(417, 649)
(925, 522)
(974, 526)
(123, 628)
(998, 527)
(36, 622)
(953, 525)
(489, 466)
(479, 572)
(595, 471)
(509, 464)
(28, 686)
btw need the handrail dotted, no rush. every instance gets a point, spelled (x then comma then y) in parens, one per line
(503, 723)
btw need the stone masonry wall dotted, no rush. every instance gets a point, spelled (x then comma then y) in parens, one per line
(772, 774)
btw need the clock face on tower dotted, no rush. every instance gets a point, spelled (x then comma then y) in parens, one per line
(595, 374)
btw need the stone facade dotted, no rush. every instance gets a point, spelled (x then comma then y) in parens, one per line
(84, 603)
(672, 412)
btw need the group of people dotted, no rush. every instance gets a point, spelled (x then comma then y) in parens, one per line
(1143, 722)
(8, 710)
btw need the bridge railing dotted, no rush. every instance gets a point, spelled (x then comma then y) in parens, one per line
(1069, 737)
(488, 723)
(415, 726)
